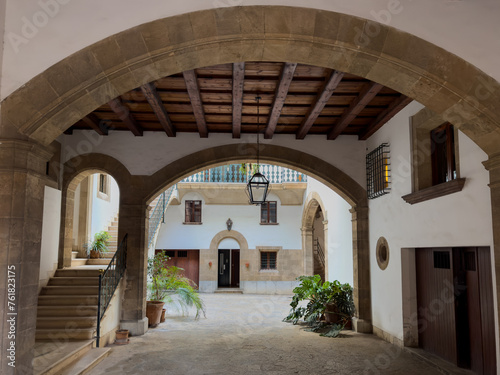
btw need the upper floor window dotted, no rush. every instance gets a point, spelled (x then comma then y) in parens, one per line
(268, 213)
(443, 154)
(103, 183)
(378, 171)
(193, 212)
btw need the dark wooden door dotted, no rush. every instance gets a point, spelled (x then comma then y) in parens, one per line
(224, 268)
(188, 260)
(235, 268)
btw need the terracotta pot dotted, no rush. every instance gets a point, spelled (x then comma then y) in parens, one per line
(331, 317)
(94, 254)
(153, 312)
(162, 319)
(122, 337)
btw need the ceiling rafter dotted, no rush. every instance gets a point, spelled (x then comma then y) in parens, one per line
(124, 114)
(280, 95)
(321, 100)
(238, 82)
(98, 125)
(366, 96)
(396, 106)
(194, 95)
(154, 100)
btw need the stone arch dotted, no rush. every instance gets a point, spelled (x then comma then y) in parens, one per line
(458, 91)
(237, 236)
(75, 171)
(313, 201)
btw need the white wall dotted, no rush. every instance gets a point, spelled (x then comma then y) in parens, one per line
(246, 220)
(103, 211)
(157, 150)
(459, 219)
(339, 239)
(41, 33)
(50, 234)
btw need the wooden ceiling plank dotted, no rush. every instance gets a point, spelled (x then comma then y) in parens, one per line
(194, 96)
(238, 82)
(124, 114)
(280, 95)
(396, 106)
(96, 124)
(154, 100)
(319, 104)
(367, 94)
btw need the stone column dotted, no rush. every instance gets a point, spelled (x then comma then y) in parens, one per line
(361, 261)
(307, 245)
(133, 221)
(22, 182)
(493, 166)
(325, 246)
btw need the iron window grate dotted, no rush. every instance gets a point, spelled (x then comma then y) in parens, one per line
(442, 260)
(378, 171)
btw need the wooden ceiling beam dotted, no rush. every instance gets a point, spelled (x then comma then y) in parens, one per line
(367, 94)
(238, 81)
(98, 125)
(194, 96)
(280, 95)
(321, 100)
(396, 106)
(154, 100)
(124, 114)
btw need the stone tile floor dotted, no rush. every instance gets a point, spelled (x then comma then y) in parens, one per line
(244, 334)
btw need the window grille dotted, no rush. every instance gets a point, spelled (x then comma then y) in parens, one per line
(182, 254)
(268, 260)
(442, 259)
(378, 171)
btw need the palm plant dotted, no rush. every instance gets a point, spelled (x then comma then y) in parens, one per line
(98, 246)
(167, 284)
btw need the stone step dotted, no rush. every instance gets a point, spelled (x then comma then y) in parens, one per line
(109, 255)
(65, 334)
(229, 290)
(70, 290)
(70, 272)
(75, 262)
(64, 311)
(53, 357)
(74, 254)
(73, 281)
(67, 322)
(87, 362)
(62, 300)
(95, 262)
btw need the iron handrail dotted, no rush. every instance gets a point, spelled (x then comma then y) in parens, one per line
(159, 212)
(108, 282)
(320, 252)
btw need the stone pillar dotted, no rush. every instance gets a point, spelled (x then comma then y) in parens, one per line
(325, 246)
(361, 261)
(22, 182)
(133, 221)
(493, 166)
(307, 245)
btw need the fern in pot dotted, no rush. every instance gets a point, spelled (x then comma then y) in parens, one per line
(98, 246)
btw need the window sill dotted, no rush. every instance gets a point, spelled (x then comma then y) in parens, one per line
(269, 223)
(436, 191)
(192, 223)
(268, 271)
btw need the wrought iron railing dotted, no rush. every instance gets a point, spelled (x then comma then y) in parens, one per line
(240, 173)
(320, 252)
(108, 281)
(158, 214)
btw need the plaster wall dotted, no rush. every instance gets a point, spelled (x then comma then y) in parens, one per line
(41, 33)
(339, 232)
(157, 150)
(103, 210)
(246, 220)
(50, 234)
(460, 219)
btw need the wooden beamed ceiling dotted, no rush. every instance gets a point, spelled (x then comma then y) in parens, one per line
(295, 99)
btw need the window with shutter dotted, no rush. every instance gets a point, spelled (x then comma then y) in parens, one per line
(268, 212)
(193, 212)
(268, 260)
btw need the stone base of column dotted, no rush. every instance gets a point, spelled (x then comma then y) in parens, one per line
(361, 325)
(135, 327)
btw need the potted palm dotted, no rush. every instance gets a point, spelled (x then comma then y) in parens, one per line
(98, 246)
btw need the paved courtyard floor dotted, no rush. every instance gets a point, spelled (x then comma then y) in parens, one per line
(244, 334)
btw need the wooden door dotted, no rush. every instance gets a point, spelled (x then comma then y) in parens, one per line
(235, 268)
(188, 260)
(224, 268)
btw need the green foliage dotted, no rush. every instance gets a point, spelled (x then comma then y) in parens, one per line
(167, 284)
(320, 296)
(249, 167)
(99, 244)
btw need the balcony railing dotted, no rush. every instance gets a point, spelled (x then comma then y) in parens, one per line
(240, 173)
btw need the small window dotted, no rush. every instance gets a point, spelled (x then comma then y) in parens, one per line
(170, 253)
(268, 260)
(378, 171)
(193, 212)
(442, 259)
(268, 213)
(182, 254)
(103, 184)
(443, 154)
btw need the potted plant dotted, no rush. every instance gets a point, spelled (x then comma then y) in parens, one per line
(98, 246)
(168, 285)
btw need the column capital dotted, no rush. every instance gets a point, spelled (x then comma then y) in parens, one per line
(493, 162)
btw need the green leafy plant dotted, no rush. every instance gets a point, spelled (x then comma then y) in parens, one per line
(250, 168)
(167, 284)
(99, 245)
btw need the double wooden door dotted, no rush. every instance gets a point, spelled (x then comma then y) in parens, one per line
(229, 268)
